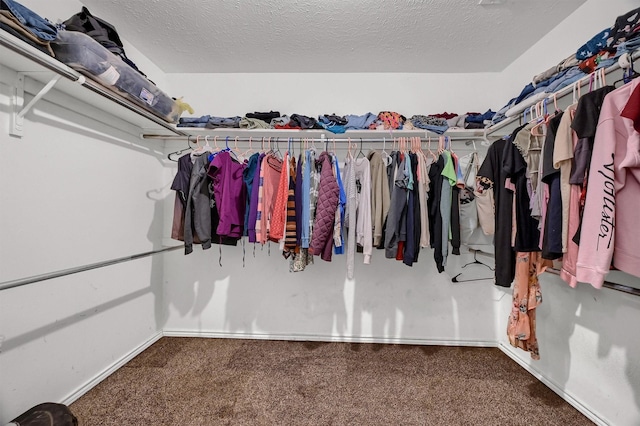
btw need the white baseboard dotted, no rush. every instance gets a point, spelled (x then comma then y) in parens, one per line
(512, 353)
(327, 338)
(110, 370)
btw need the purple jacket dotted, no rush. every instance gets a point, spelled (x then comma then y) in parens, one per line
(328, 195)
(230, 194)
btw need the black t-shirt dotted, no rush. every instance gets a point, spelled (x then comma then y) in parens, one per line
(493, 171)
(587, 114)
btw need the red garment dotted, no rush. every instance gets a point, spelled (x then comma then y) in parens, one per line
(445, 115)
(276, 232)
(632, 110)
(400, 252)
(287, 127)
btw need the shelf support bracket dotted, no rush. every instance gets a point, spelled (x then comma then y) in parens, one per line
(19, 110)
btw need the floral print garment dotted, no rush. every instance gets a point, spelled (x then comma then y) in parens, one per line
(521, 327)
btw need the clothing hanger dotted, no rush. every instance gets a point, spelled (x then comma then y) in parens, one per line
(475, 262)
(244, 154)
(448, 138)
(456, 280)
(542, 120)
(179, 152)
(277, 152)
(386, 158)
(269, 150)
(433, 154)
(360, 152)
(199, 150)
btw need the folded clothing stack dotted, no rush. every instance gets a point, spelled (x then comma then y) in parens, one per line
(22, 22)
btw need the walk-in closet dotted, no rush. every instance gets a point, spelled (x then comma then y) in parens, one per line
(310, 213)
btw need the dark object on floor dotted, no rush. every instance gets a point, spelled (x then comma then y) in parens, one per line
(191, 381)
(47, 414)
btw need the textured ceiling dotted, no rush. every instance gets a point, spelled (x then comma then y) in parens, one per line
(427, 36)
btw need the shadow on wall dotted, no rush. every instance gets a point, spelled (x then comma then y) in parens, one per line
(155, 287)
(154, 235)
(62, 118)
(571, 321)
(387, 301)
(614, 316)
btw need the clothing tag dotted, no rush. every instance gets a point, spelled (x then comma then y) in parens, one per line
(147, 96)
(109, 77)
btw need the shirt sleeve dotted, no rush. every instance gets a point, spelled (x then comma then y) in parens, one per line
(597, 236)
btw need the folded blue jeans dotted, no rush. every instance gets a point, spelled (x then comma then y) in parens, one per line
(203, 119)
(33, 22)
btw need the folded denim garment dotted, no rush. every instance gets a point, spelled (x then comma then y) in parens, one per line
(433, 124)
(573, 74)
(203, 119)
(223, 122)
(10, 23)
(360, 122)
(480, 118)
(193, 125)
(33, 22)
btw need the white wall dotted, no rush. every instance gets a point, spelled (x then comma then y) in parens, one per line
(387, 301)
(589, 347)
(355, 93)
(74, 191)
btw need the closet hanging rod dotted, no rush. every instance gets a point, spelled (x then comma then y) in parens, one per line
(70, 271)
(354, 139)
(607, 284)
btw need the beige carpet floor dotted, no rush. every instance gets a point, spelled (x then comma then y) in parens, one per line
(188, 381)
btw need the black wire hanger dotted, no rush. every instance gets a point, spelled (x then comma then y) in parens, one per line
(179, 152)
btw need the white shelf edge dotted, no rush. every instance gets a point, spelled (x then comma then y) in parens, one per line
(19, 54)
(297, 133)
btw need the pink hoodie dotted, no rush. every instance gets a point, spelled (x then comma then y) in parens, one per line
(610, 228)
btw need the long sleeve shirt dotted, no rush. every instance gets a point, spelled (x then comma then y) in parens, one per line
(610, 228)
